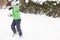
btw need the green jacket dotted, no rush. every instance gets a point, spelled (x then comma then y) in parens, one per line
(15, 12)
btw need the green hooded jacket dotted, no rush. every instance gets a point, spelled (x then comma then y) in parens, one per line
(15, 12)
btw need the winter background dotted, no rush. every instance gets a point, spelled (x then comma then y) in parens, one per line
(34, 27)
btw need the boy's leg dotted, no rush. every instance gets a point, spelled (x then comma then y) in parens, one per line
(18, 27)
(13, 26)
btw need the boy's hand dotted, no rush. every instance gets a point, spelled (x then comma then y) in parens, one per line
(9, 15)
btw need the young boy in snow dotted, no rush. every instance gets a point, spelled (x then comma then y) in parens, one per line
(16, 20)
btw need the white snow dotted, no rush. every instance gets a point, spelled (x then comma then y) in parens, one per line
(34, 27)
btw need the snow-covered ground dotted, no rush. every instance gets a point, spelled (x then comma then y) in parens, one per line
(34, 27)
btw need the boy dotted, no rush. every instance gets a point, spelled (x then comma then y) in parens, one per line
(16, 19)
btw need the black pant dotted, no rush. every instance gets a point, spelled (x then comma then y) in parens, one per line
(17, 24)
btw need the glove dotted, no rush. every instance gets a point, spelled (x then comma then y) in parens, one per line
(10, 8)
(9, 15)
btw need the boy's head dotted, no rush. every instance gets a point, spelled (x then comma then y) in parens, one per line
(15, 3)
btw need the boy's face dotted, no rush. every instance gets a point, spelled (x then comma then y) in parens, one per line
(12, 4)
